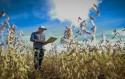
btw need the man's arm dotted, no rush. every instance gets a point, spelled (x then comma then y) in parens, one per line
(32, 38)
(45, 42)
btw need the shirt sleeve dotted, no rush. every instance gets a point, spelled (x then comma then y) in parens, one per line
(32, 38)
(44, 37)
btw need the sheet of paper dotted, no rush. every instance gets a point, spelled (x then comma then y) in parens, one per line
(51, 39)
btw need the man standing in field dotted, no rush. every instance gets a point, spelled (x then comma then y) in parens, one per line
(38, 39)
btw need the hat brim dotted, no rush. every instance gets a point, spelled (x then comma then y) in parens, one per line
(43, 28)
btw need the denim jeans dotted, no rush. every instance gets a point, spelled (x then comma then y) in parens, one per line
(38, 58)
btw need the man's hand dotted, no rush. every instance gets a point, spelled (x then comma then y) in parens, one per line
(46, 42)
(40, 41)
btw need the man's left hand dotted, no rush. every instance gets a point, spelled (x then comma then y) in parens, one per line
(46, 42)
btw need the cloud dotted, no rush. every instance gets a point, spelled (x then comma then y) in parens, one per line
(70, 10)
(122, 33)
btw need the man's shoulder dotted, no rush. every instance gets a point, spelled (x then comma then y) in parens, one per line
(34, 32)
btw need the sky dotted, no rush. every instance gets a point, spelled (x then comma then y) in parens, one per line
(28, 15)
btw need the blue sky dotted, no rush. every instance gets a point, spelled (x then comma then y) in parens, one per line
(29, 14)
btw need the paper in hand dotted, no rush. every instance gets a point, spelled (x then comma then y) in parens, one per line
(51, 39)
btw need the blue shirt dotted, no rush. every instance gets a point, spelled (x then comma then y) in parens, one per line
(36, 36)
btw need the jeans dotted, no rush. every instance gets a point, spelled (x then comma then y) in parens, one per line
(38, 58)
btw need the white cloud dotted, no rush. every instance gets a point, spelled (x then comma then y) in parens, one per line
(71, 9)
(122, 33)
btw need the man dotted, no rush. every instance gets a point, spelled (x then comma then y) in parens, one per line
(38, 39)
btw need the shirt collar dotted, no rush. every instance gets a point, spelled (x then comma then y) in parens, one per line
(39, 32)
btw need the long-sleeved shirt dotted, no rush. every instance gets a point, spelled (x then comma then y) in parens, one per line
(35, 37)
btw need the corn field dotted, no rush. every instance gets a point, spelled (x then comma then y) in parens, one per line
(80, 60)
